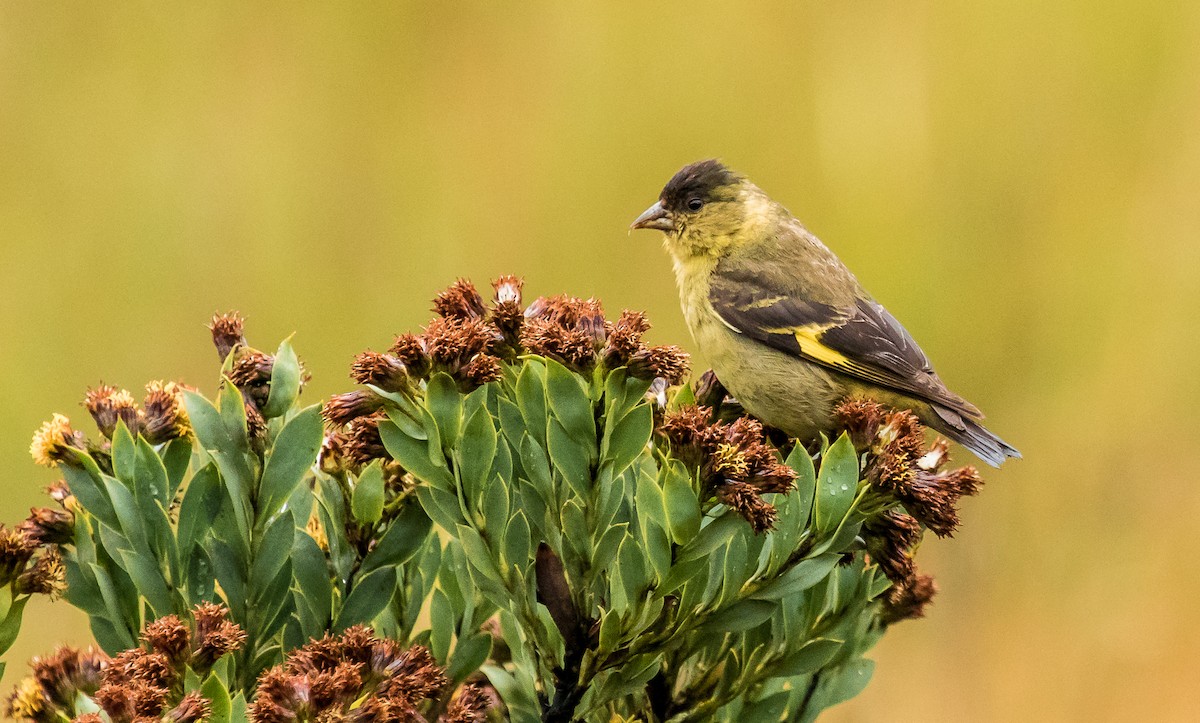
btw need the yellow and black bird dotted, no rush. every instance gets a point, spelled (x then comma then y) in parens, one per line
(788, 329)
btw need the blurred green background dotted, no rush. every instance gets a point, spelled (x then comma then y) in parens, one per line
(1019, 182)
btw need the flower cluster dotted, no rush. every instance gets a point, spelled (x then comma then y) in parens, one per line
(27, 565)
(900, 464)
(246, 367)
(147, 681)
(902, 469)
(51, 692)
(160, 419)
(356, 676)
(471, 339)
(733, 461)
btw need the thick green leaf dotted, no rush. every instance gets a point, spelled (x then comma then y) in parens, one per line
(569, 400)
(716, 533)
(806, 488)
(415, 455)
(293, 454)
(445, 403)
(218, 698)
(285, 381)
(682, 505)
(837, 484)
(569, 458)
(272, 551)
(371, 593)
(476, 453)
(629, 438)
(200, 506)
(798, 578)
(87, 484)
(11, 624)
(744, 615)
(469, 653)
(312, 585)
(176, 456)
(228, 447)
(531, 399)
(367, 500)
(404, 536)
(518, 550)
(808, 659)
(441, 625)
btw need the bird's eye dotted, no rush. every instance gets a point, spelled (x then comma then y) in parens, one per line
(695, 204)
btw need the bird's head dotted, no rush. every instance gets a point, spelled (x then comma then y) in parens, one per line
(704, 209)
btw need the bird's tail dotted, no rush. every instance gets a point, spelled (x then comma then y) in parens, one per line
(975, 437)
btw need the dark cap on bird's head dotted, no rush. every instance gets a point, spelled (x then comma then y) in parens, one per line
(688, 191)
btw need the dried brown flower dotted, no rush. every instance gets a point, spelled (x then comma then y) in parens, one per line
(66, 673)
(625, 338)
(381, 370)
(469, 706)
(745, 500)
(890, 538)
(16, 550)
(669, 362)
(47, 526)
(861, 419)
(165, 418)
(108, 405)
(53, 440)
(191, 708)
(546, 336)
(907, 599)
(363, 443)
(341, 409)
(228, 332)
(325, 677)
(48, 576)
(168, 635)
(251, 373)
(733, 460)
(410, 349)
(459, 301)
(507, 315)
(214, 636)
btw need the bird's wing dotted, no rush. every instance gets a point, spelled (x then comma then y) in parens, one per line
(857, 337)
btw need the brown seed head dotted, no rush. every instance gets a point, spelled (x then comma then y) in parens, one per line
(341, 409)
(108, 405)
(53, 440)
(469, 706)
(907, 599)
(168, 635)
(228, 332)
(165, 418)
(745, 500)
(363, 443)
(47, 526)
(192, 708)
(669, 362)
(67, 672)
(215, 635)
(410, 350)
(860, 418)
(381, 370)
(460, 301)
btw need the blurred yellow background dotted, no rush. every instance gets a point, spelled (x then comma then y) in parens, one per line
(1019, 182)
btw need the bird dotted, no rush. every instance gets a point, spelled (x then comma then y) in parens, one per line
(789, 331)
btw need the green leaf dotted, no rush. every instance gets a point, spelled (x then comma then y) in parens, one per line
(575, 528)
(285, 381)
(810, 658)
(744, 615)
(371, 593)
(367, 500)
(228, 447)
(629, 438)
(218, 697)
(87, 485)
(476, 452)
(569, 458)
(470, 653)
(11, 625)
(416, 456)
(404, 536)
(606, 548)
(200, 506)
(806, 488)
(312, 585)
(441, 625)
(531, 399)
(478, 554)
(569, 400)
(682, 505)
(837, 484)
(798, 578)
(711, 536)
(176, 456)
(445, 403)
(272, 550)
(518, 549)
(292, 455)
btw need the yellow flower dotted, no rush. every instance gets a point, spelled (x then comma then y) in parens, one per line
(50, 443)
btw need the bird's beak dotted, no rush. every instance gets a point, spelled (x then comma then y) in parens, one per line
(655, 217)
